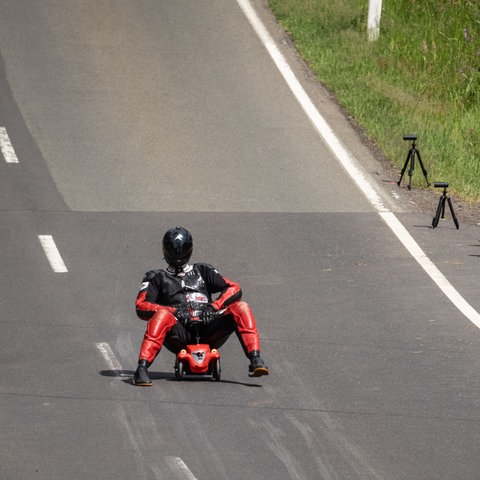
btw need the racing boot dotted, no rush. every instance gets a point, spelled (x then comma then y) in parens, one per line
(140, 377)
(257, 366)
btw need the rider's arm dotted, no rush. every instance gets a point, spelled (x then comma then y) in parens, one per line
(230, 292)
(145, 304)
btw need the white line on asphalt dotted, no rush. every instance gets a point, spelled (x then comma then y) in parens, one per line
(177, 464)
(111, 359)
(52, 253)
(321, 125)
(109, 356)
(350, 164)
(6, 147)
(434, 273)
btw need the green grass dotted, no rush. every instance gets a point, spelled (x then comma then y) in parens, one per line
(420, 77)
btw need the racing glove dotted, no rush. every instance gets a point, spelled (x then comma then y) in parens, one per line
(208, 315)
(182, 314)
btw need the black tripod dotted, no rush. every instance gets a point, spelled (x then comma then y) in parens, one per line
(441, 205)
(411, 158)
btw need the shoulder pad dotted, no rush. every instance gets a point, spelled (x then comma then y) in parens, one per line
(204, 265)
(207, 267)
(150, 275)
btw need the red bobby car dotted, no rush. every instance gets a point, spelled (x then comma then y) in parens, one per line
(198, 360)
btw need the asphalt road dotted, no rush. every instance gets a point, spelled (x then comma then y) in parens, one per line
(128, 117)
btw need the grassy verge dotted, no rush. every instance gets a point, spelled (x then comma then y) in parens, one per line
(420, 77)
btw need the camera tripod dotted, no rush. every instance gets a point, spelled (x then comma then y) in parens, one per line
(441, 205)
(411, 158)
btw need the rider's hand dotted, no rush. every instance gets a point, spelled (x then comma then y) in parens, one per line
(182, 314)
(208, 314)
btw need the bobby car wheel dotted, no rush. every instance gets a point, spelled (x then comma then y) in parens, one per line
(179, 371)
(217, 371)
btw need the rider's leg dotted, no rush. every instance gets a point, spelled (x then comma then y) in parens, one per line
(157, 328)
(247, 333)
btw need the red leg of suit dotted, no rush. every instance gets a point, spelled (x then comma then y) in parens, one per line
(246, 325)
(157, 327)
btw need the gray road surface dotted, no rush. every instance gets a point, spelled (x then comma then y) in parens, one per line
(129, 117)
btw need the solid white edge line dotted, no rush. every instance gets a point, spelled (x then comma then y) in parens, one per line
(52, 253)
(320, 124)
(351, 166)
(6, 147)
(430, 268)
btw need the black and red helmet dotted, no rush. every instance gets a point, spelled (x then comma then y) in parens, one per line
(177, 246)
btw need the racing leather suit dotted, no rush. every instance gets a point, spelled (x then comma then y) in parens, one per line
(163, 291)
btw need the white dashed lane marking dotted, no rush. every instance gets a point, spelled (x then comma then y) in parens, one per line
(53, 255)
(6, 147)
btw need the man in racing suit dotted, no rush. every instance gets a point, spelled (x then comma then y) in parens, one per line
(168, 295)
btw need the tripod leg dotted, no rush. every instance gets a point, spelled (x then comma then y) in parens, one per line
(403, 169)
(412, 168)
(455, 221)
(423, 168)
(441, 205)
